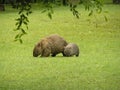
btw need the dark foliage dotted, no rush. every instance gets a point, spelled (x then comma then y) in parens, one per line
(116, 1)
(2, 7)
(24, 8)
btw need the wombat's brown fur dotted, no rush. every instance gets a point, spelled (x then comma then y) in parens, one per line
(52, 44)
(71, 49)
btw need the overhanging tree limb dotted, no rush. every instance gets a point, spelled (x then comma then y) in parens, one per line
(24, 7)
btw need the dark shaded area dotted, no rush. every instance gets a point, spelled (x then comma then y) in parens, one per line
(116, 1)
(64, 2)
(2, 6)
(14, 3)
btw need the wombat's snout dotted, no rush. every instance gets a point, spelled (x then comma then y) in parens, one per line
(35, 54)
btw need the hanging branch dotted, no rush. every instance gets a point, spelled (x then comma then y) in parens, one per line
(24, 8)
(22, 21)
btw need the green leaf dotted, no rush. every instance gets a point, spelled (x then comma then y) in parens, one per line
(27, 19)
(50, 15)
(77, 16)
(16, 36)
(106, 19)
(25, 23)
(30, 12)
(23, 31)
(27, 27)
(20, 11)
(17, 23)
(43, 11)
(17, 19)
(91, 12)
(21, 41)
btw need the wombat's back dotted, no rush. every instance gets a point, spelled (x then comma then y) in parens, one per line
(57, 42)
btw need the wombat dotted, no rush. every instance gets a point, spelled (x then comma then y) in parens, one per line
(51, 45)
(71, 49)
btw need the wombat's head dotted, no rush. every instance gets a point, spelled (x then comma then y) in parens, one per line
(37, 50)
(67, 51)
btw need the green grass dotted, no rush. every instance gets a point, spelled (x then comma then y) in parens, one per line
(97, 68)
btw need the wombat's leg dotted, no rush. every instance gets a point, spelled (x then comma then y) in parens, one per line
(45, 53)
(63, 54)
(53, 55)
(77, 55)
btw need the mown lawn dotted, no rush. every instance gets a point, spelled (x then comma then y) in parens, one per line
(97, 67)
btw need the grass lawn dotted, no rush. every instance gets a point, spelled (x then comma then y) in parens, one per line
(97, 67)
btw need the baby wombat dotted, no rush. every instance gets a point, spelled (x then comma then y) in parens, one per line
(71, 49)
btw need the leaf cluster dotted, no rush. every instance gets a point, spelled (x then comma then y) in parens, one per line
(74, 11)
(22, 21)
(24, 8)
(92, 5)
(49, 9)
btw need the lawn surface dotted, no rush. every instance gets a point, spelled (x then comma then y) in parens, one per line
(97, 67)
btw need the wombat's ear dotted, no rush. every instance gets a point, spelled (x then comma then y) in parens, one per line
(38, 44)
